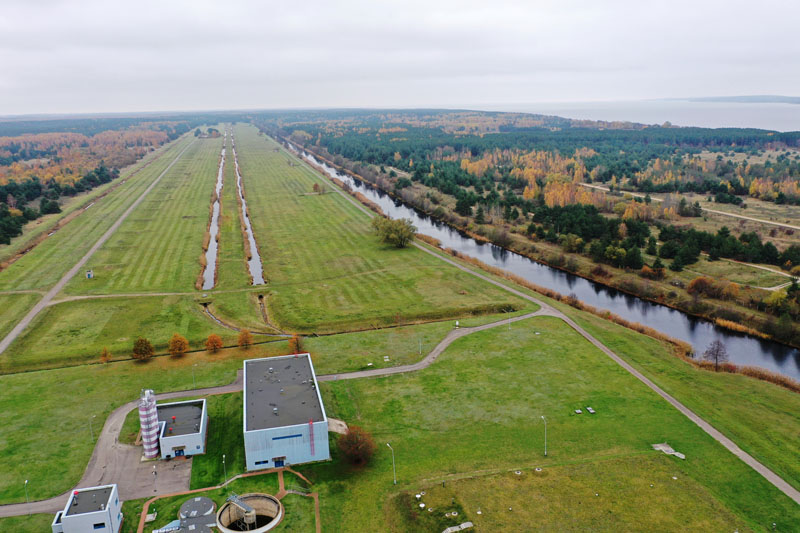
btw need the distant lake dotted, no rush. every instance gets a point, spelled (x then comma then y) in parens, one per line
(780, 117)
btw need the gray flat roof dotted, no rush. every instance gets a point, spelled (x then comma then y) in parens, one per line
(89, 501)
(188, 417)
(286, 383)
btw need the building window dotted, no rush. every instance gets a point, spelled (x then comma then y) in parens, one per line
(102, 525)
(262, 462)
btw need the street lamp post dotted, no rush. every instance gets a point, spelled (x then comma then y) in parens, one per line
(545, 435)
(194, 383)
(27, 501)
(224, 468)
(394, 470)
(155, 476)
(91, 430)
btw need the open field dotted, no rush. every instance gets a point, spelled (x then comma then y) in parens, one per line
(69, 205)
(158, 246)
(737, 273)
(760, 417)
(634, 493)
(36, 407)
(477, 410)
(44, 265)
(327, 271)
(75, 332)
(14, 306)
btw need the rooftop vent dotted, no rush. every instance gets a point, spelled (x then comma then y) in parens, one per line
(275, 411)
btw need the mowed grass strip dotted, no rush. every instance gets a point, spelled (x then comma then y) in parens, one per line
(43, 266)
(75, 332)
(477, 410)
(158, 246)
(327, 270)
(44, 415)
(13, 307)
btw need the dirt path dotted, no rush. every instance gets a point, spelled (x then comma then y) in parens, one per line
(45, 301)
(715, 211)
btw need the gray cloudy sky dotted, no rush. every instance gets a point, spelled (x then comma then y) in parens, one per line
(142, 55)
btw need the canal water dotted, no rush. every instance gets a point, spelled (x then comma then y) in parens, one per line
(254, 263)
(211, 253)
(742, 349)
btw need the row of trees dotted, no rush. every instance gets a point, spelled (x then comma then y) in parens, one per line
(178, 345)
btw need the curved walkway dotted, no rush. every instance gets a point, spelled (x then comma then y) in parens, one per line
(45, 301)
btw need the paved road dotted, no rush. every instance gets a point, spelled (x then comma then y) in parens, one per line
(45, 301)
(715, 211)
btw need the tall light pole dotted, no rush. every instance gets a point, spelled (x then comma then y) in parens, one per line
(27, 501)
(155, 476)
(91, 430)
(394, 470)
(194, 384)
(224, 468)
(545, 435)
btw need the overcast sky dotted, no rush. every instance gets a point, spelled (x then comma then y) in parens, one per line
(107, 56)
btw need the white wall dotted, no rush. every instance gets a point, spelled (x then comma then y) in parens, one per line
(266, 444)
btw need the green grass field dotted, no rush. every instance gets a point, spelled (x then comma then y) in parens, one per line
(44, 265)
(14, 306)
(75, 332)
(327, 271)
(158, 246)
(57, 404)
(477, 411)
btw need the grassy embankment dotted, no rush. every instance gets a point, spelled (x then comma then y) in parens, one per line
(327, 270)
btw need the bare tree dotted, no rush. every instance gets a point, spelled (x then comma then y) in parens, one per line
(716, 352)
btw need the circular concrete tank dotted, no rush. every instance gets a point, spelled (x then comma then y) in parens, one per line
(268, 513)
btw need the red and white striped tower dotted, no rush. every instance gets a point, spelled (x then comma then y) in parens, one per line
(148, 419)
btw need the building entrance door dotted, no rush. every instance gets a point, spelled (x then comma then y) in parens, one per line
(279, 461)
(179, 452)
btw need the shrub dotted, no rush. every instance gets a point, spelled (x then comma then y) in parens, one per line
(398, 232)
(295, 344)
(142, 349)
(178, 345)
(356, 446)
(105, 355)
(214, 343)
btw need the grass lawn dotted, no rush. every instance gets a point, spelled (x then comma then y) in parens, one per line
(738, 273)
(760, 417)
(239, 308)
(43, 266)
(37, 522)
(477, 411)
(14, 306)
(47, 405)
(634, 493)
(327, 271)
(76, 331)
(158, 246)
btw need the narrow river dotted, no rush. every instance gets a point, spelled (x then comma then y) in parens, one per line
(213, 230)
(254, 263)
(742, 349)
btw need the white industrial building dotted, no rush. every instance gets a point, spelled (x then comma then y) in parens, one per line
(284, 419)
(176, 429)
(89, 510)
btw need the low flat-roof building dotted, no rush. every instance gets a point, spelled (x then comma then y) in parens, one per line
(182, 428)
(89, 510)
(284, 419)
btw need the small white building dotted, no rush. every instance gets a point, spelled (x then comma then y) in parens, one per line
(89, 510)
(182, 428)
(284, 419)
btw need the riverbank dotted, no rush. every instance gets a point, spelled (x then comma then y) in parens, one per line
(732, 317)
